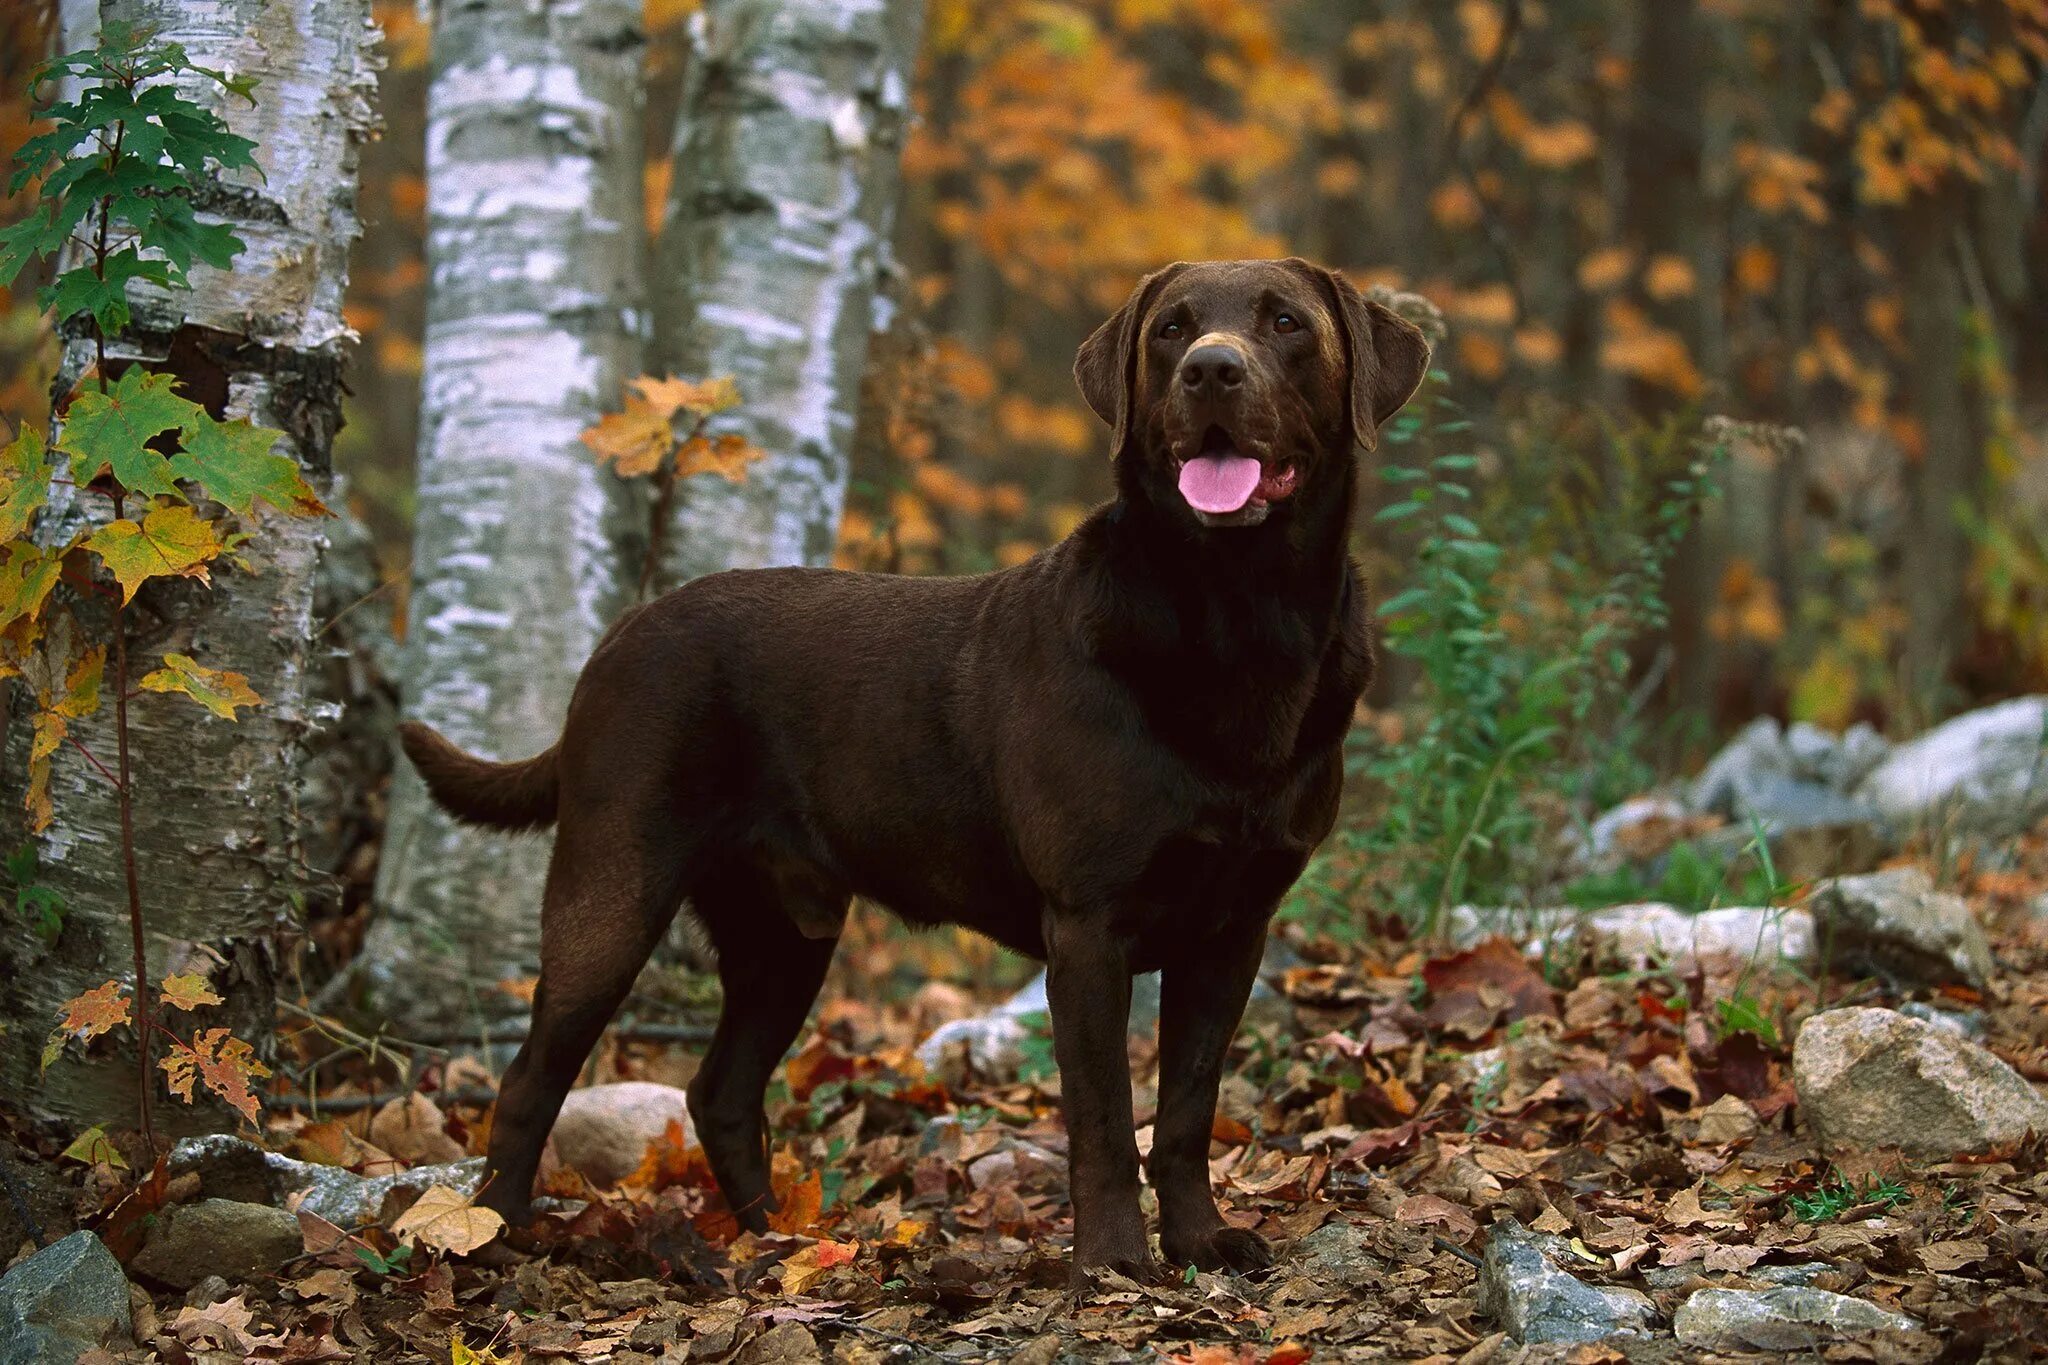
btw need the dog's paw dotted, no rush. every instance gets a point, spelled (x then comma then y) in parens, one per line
(1224, 1248)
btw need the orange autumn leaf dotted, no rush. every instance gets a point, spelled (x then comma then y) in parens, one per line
(100, 1009)
(634, 441)
(224, 1063)
(810, 1264)
(802, 1203)
(727, 456)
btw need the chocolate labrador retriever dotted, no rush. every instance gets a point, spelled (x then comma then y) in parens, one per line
(1115, 757)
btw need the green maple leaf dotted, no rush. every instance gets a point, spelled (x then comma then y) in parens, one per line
(218, 691)
(170, 541)
(115, 428)
(234, 463)
(24, 482)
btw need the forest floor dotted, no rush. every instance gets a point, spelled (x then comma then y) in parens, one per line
(1400, 1107)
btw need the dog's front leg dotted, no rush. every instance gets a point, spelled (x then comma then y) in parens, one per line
(1088, 986)
(1201, 999)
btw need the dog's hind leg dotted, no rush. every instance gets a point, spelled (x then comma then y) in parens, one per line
(602, 917)
(771, 970)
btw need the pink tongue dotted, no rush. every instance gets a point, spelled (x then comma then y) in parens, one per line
(1219, 483)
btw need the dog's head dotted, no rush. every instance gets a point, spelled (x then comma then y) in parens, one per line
(1238, 387)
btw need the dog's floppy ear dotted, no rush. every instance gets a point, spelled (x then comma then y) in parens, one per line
(1387, 354)
(1107, 366)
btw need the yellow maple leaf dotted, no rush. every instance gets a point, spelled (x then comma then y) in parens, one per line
(215, 689)
(168, 542)
(187, 992)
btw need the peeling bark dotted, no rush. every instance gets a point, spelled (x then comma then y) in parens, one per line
(535, 275)
(218, 816)
(774, 251)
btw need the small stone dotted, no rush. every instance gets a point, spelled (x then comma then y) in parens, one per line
(1525, 1289)
(1984, 773)
(218, 1237)
(1727, 1119)
(1653, 933)
(604, 1131)
(64, 1300)
(1339, 1253)
(1895, 924)
(1789, 1318)
(1873, 1078)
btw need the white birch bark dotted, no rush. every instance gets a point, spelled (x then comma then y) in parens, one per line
(774, 249)
(534, 321)
(218, 823)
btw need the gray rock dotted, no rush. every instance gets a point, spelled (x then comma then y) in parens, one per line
(992, 1043)
(1969, 1023)
(1758, 750)
(604, 1131)
(223, 1237)
(232, 1167)
(1524, 1288)
(1838, 762)
(1983, 773)
(1895, 924)
(1603, 835)
(1790, 1318)
(1872, 1078)
(1644, 934)
(63, 1301)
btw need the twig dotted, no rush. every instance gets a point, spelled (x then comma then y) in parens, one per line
(1445, 1244)
(377, 591)
(91, 758)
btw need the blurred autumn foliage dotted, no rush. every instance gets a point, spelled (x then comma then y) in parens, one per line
(1825, 213)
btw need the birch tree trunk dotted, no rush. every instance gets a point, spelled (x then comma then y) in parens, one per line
(218, 818)
(774, 248)
(534, 250)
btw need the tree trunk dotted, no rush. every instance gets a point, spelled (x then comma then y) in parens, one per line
(218, 805)
(775, 242)
(1936, 552)
(534, 259)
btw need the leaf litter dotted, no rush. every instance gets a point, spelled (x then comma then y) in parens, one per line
(1405, 1102)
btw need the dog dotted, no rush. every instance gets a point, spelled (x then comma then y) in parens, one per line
(1116, 756)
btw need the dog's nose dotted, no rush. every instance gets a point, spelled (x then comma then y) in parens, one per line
(1213, 368)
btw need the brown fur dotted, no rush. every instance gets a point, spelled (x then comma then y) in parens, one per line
(1116, 756)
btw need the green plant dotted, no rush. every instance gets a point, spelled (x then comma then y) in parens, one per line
(396, 1261)
(1514, 700)
(1835, 1196)
(1034, 1050)
(40, 907)
(151, 471)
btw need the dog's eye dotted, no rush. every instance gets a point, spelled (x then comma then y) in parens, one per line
(1286, 322)
(1170, 330)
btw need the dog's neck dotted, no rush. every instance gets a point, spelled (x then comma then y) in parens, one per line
(1299, 557)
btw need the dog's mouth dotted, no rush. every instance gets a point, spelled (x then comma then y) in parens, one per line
(1220, 480)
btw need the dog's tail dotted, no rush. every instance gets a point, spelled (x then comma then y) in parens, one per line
(501, 795)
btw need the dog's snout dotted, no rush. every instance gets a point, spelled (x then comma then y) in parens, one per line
(1212, 368)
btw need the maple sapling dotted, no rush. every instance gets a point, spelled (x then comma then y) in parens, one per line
(141, 483)
(644, 438)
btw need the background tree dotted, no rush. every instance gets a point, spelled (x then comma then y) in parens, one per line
(534, 318)
(775, 249)
(219, 843)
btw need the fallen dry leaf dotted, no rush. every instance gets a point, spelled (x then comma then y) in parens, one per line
(445, 1221)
